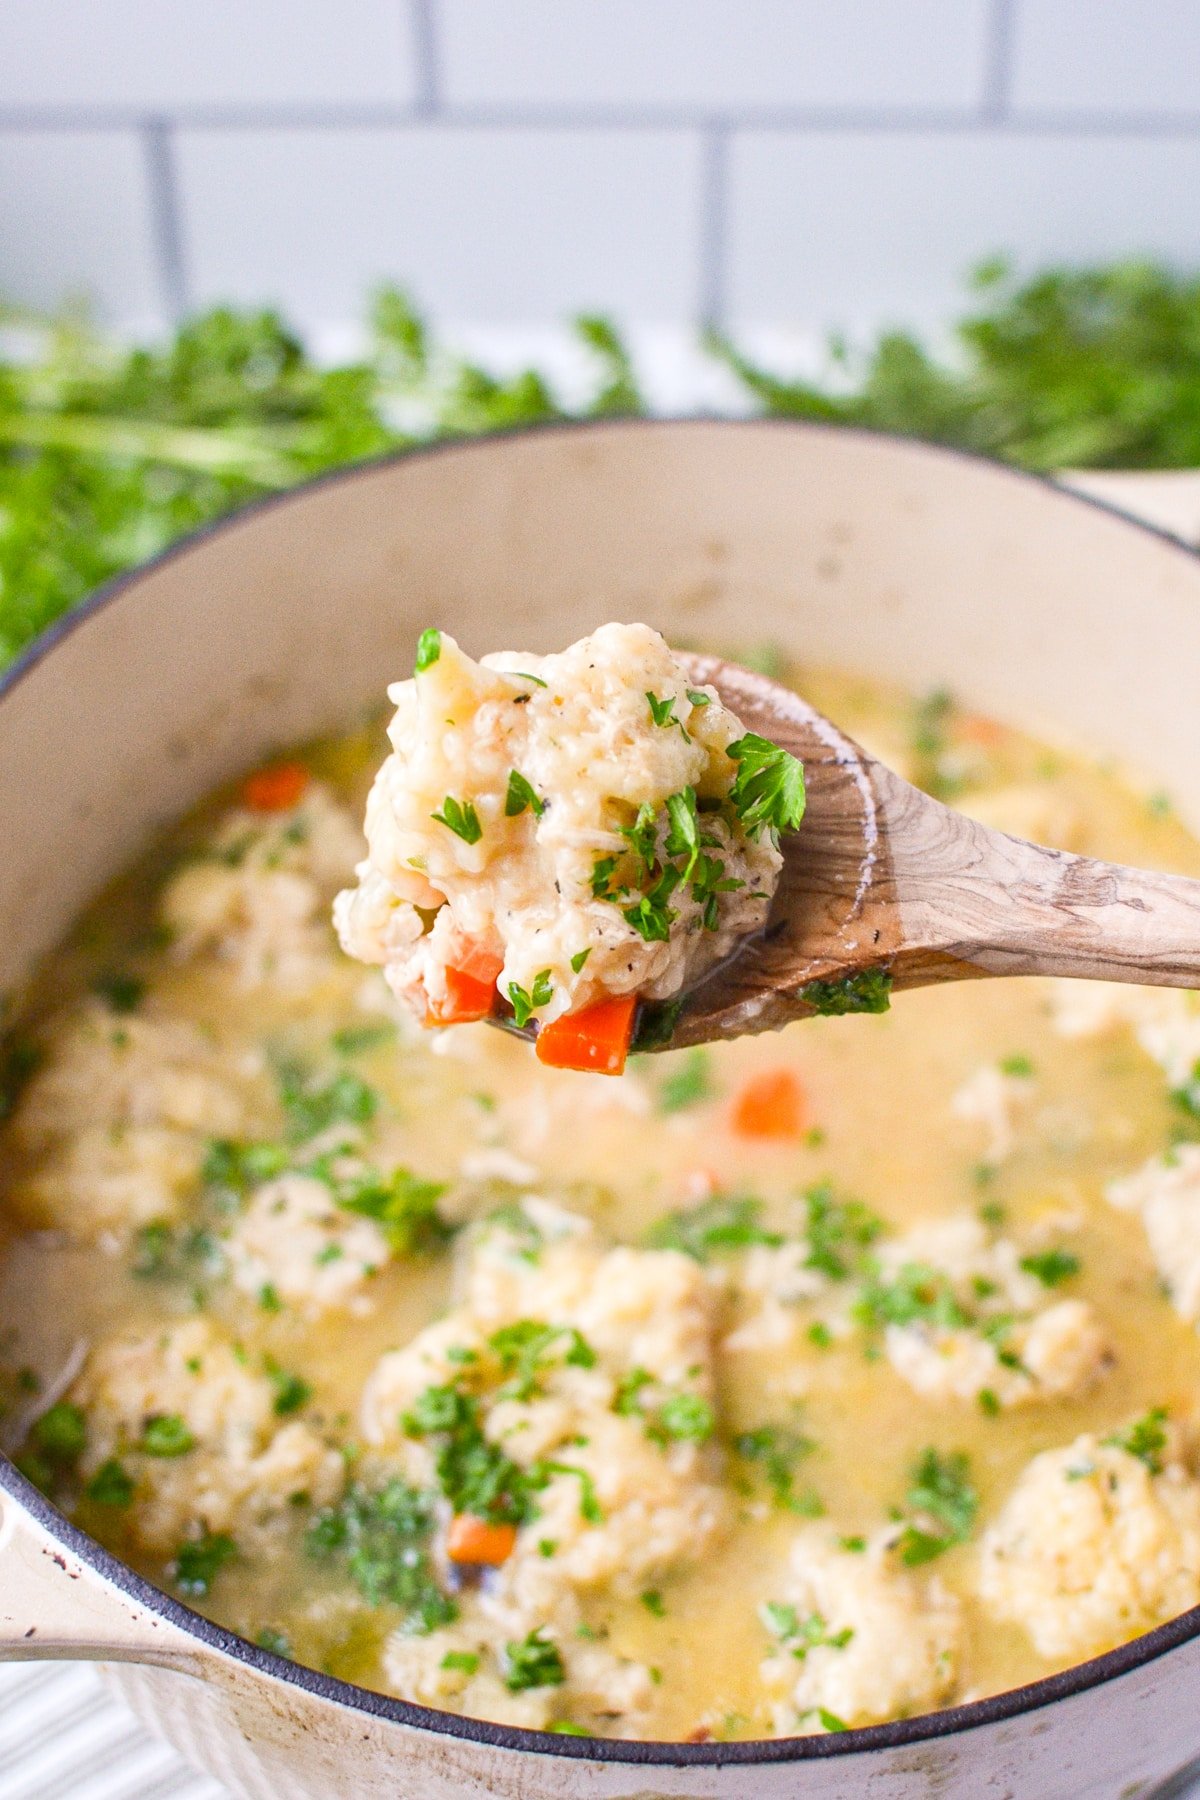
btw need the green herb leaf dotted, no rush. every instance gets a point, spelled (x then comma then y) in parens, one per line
(166, 1435)
(383, 1537)
(402, 1205)
(124, 993)
(1051, 1266)
(533, 1662)
(723, 1224)
(200, 1561)
(768, 789)
(688, 1082)
(578, 960)
(111, 1485)
(942, 1492)
(429, 648)
(460, 817)
(868, 991)
(60, 1435)
(1146, 1439)
(526, 1002)
(520, 795)
(661, 710)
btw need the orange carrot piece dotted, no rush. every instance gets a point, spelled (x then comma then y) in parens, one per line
(277, 788)
(596, 1038)
(769, 1105)
(472, 1540)
(468, 996)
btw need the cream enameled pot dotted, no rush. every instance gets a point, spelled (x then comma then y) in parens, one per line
(852, 549)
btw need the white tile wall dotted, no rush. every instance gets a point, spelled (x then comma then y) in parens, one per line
(787, 163)
(490, 225)
(714, 53)
(855, 228)
(162, 54)
(74, 220)
(1120, 56)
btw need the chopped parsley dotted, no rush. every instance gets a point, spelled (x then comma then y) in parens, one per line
(291, 1391)
(578, 960)
(654, 1603)
(1018, 1065)
(724, 1223)
(916, 1293)
(1187, 1097)
(521, 795)
(684, 1418)
(198, 1562)
(661, 710)
(124, 993)
(778, 1451)
(527, 1349)
(867, 991)
(474, 1474)
(1146, 1439)
(401, 1204)
(311, 1105)
(429, 648)
(460, 817)
(20, 1060)
(527, 1001)
(351, 1040)
(946, 1503)
(383, 1536)
(698, 697)
(768, 789)
(838, 1232)
(1051, 1266)
(60, 1434)
(522, 675)
(802, 1635)
(466, 1662)
(687, 1084)
(683, 829)
(111, 1485)
(238, 1165)
(533, 1662)
(166, 1435)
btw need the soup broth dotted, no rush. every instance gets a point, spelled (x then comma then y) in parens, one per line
(207, 1379)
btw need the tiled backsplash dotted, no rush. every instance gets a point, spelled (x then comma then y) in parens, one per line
(767, 163)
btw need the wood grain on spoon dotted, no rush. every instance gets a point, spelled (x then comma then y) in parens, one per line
(881, 876)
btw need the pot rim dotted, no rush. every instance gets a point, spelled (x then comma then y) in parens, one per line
(951, 1721)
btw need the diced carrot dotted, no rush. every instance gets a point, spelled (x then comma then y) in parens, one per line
(468, 996)
(277, 788)
(769, 1105)
(472, 1540)
(595, 1038)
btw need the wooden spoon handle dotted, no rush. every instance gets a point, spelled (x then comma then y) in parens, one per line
(1001, 906)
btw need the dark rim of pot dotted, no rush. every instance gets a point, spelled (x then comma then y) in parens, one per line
(899, 1733)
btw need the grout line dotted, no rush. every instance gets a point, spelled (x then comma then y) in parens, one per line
(998, 60)
(714, 222)
(428, 60)
(1023, 122)
(158, 147)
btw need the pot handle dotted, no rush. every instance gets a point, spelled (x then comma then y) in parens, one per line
(53, 1604)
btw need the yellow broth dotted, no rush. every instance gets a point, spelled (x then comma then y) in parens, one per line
(880, 1126)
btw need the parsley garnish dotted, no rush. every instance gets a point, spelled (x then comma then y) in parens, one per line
(698, 697)
(724, 1223)
(768, 789)
(524, 1350)
(661, 710)
(534, 1662)
(524, 1003)
(941, 1492)
(111, 1485)
(460, 817)
(401, 1204)
(778, 1451)
(802, 1635)
(291, 1391)
(1145, 1438)
(384, 1535)
(311, 1106)
(124, 993)
(683, 835)
(520, 795)
(1051, 1266)
(654, 1603)
(236, 1165)
(1187, 1097)
(520, 675)
(198, 1562)
(684, 1418)
(1018, 1065)
(60, 1434)
(578, 960)
(352, 1039)
(916, 1292)
(166, 1434)
(688, 1083)
(868, 991)
(429, 648)
(838, 1231)
(474, 1474)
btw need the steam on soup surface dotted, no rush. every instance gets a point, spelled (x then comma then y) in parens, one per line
(801, 1383)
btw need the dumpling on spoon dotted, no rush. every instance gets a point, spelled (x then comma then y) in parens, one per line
(555, 838)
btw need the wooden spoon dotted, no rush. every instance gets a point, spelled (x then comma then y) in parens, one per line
(880, 877)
